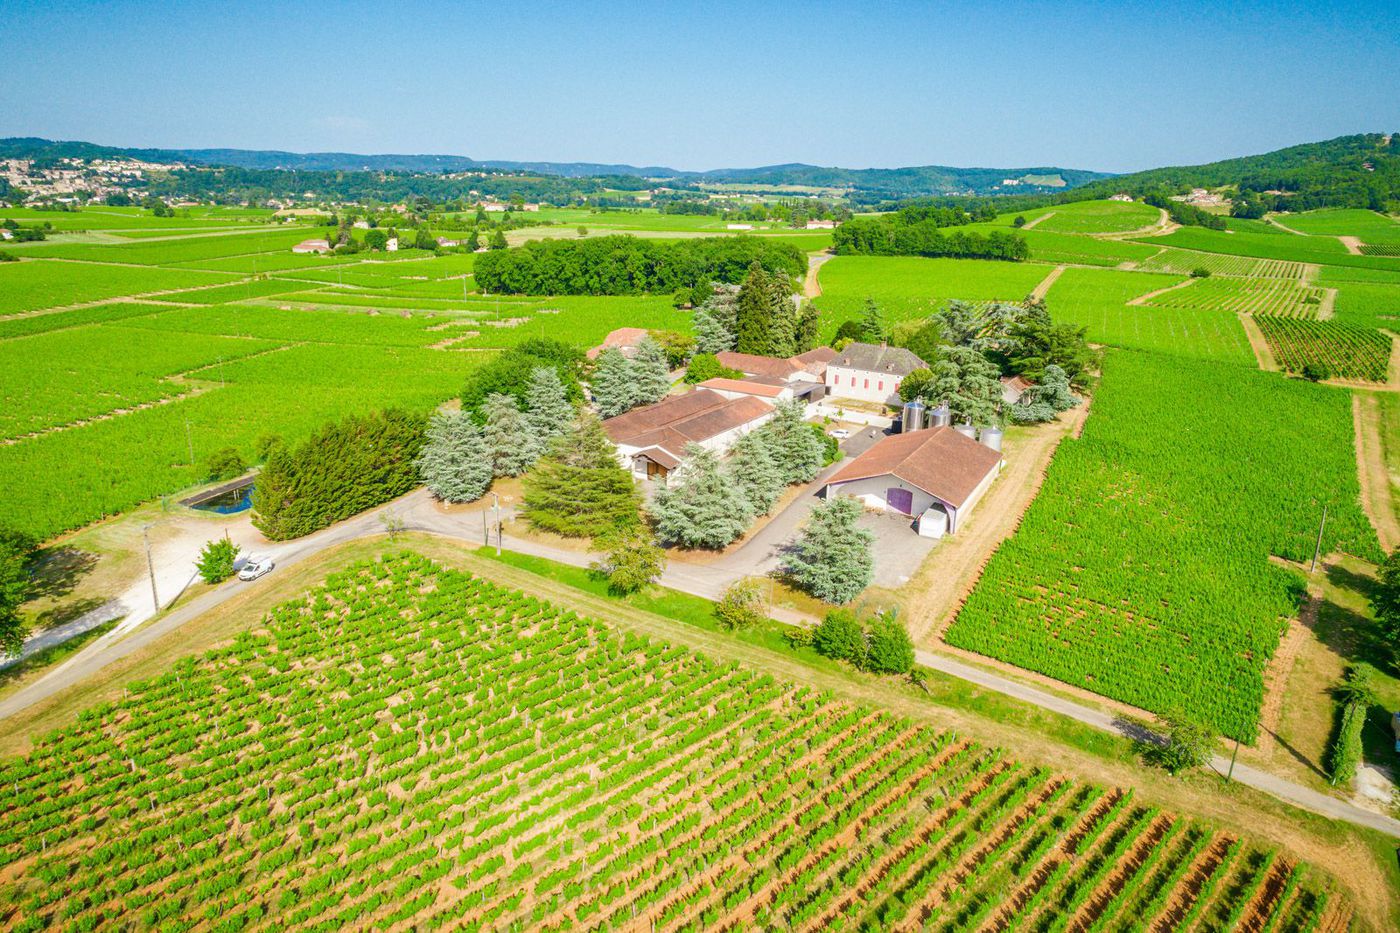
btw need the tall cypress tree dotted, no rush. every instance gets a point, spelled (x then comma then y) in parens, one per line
(752, 319)
(808, 328)
(782, 317)
(579, 489)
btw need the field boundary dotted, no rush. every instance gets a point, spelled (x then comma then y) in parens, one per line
(1374, 478)
(1263, 353)
(1141, 300)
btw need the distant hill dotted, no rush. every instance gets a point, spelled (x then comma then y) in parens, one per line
(1349, 171)
(873, 184)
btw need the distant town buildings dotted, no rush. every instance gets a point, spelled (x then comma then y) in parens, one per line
(1120, 196)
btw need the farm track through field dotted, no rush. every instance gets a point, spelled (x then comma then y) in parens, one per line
(1262, 352)
(1376, 489)
(1280, 668)
(1144, 299)
(812, 285)
(1038, 293)
(1031, 223)
(1353, 244)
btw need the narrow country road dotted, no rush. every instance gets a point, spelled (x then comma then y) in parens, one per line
(419, 513)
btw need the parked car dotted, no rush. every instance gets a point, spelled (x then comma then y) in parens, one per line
(840, 434)
(256, 567)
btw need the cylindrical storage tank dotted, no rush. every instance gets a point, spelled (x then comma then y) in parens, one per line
(913, 418)
(966, 430)
(991, 437)
(940, 417)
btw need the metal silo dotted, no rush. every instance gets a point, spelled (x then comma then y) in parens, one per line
(966, 430)
(940, 417)
(991, 437)
(913, 418)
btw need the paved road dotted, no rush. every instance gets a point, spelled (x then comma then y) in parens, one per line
(419, 514)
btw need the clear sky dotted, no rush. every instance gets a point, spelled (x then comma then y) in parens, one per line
(1109, 86)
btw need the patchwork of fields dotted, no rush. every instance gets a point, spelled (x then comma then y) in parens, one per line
(447, 753)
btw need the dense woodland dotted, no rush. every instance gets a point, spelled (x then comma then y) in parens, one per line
(626, 265)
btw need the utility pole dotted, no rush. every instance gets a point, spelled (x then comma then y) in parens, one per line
(189, 439)
(150, 566)
(1229, 775)
(1317, 548)
(496, 504)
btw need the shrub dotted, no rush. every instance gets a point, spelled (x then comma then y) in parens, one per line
(891, 650)
(1316, 371)
(216, 560)
(1200, 272)
(831, 447)
(1187, 744)
(632, 559)
(223, 464)
(706, 366)
(742, 605)
(839, 635)
(1356, 693)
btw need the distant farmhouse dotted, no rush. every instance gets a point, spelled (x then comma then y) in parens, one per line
(870, 373)
(651, 441)
(1120, 196)
(821, 225)
(312, 246)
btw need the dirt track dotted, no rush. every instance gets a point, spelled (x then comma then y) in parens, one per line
(1371, 469)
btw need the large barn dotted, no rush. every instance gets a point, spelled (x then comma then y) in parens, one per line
(936, 476)
(651, 441)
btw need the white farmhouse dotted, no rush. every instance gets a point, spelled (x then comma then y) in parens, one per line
(312, 246)
(651, 440)
(870, 373)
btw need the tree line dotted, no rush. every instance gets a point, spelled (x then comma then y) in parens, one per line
(890, 236)
(626, 265)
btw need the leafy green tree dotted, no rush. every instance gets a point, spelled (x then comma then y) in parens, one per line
(743, 605)
(702, 504)
(424, 239)
(613, 388)
(796, 450)
(473, 242)
(960, 325)
(921, 338)
(831, 558)
(16, 554)
(216, 560)
(918, 384)
(891, 650)
(376, 239)
(548, 412)
(225, 463)
(840, 635)
(676, 346)
(755, 471)
(969, 383)
(1356, 693)
(510, 445)
(498, 239)
(579, 489)
(651, 373)
(1385, 604)
(704, 366)
(454, 463)
(1186, 744)
(632, 558)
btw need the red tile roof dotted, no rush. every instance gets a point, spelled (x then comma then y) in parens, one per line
(679, 420)
(758, 365)
(765, 388)
(940, 461)
(622, 337)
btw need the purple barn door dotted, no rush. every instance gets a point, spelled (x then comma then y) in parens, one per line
(900, 500)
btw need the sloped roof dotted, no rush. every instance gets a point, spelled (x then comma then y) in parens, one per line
(878, 359)
(940, 461)
(622, 337)
(684, 419)
(754, 386)
(752, 364)
(818, 355)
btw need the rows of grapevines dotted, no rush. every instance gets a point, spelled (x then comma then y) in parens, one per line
(1347, 351)
(410, 746)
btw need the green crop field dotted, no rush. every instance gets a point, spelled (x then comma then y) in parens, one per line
(1367, 226)
(410, 746)
(1369, 305)
(1142, 571)
(1185, 261)
(1346, 350)
(1307, 249)
(1098, 299)
(1098, 217)
(32, 286)
(911, 287)
(185, 249)
(1280, 297)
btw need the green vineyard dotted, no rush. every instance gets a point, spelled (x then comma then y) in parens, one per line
(1345, 351)
(1184, 262)
(413, 747)
(1282, 297)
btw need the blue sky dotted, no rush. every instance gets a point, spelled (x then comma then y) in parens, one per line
(1111, 86)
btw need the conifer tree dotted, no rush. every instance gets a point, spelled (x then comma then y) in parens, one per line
(716, 319)
(454, 463)
(701, 505)
(651, 376)
(548, 413)
(579, 489)
(969, 382)
(510, 445)
(612, 385)
(797, 450)
(831, 557)
(872, 323)
(755, 469)
(808, 331)
(753, 326)
(782, 317)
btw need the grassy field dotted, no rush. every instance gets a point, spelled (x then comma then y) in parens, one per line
(1142, 569)
(1098, 299)
(633, 783)
(1324, 250)
(1098, 217)
(33, 286)
(911, 287)
(1367, 226)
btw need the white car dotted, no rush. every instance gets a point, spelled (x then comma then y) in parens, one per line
(840, 434)
(256, 567)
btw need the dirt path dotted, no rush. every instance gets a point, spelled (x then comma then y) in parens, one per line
(1274, 219)
(949, 573)
(1258, 344)
(1031, 223)
(1353, 244)
(1328, 308)
(1371, 469)
(812, 286)
(1039, 291)
(1310, 273)
(1144, 299)
(1277, 672)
